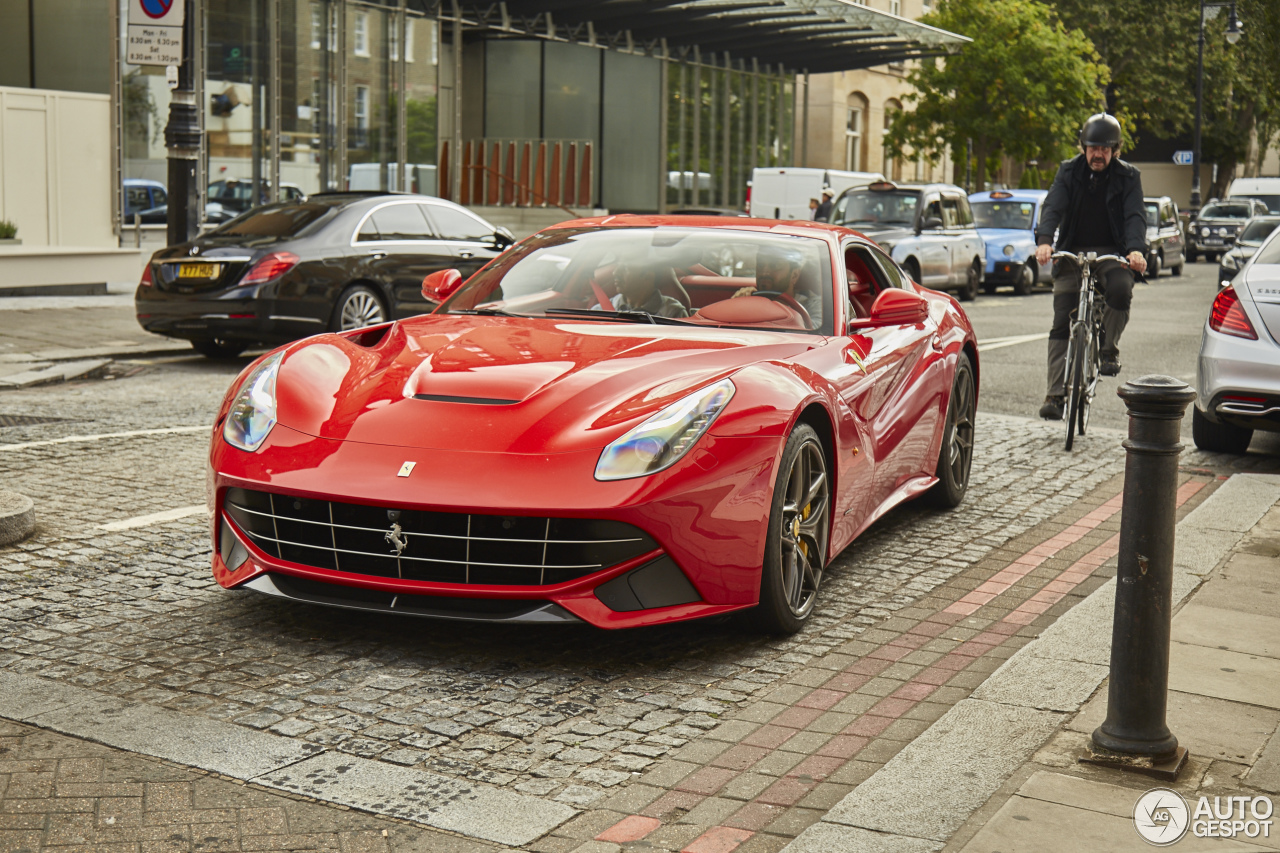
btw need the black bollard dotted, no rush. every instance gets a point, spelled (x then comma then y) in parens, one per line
(1135, 733)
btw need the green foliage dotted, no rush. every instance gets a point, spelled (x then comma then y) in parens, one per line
(7, 230)
(1031, 179)
(1022, 88)
(421, 130)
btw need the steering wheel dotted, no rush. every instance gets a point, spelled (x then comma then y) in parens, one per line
(789, 301)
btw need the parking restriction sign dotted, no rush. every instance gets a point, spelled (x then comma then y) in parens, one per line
(155, 32)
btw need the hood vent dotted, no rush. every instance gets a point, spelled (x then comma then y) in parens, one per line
(475, 401)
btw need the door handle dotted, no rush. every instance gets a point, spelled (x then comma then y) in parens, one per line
(466, 253)
(377, 256)
(937, 342)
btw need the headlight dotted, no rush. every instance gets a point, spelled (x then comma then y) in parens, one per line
(1008, 251)
(661, 440)
(253, 411)
(1226, 232)
(1205, 232)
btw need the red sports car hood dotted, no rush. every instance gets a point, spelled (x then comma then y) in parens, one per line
(503, 384)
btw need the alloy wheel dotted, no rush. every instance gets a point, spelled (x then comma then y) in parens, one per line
(960, 414)
(361, 308)
(803, 536)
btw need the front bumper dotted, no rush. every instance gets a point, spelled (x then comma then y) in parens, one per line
(707, 517)
(1238, 380)
(1005, 270)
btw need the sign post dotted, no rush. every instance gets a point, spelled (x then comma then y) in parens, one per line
(155, 32)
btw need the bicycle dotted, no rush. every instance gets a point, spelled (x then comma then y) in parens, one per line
(1084, 346)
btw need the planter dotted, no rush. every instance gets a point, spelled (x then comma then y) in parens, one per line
(10, 241)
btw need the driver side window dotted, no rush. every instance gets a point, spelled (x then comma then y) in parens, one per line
(933, 210)
(866, 280)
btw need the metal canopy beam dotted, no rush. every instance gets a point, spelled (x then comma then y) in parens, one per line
(820, 35)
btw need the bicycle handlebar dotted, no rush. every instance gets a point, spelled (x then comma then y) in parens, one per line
(1095, 259)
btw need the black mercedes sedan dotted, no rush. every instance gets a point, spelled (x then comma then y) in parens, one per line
(330, 262)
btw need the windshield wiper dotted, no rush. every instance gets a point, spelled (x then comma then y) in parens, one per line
(642, 316)
(487, 312)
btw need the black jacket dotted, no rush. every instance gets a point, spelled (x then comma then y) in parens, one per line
(1124, 205)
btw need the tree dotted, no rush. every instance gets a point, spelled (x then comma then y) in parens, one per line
(1022, 88)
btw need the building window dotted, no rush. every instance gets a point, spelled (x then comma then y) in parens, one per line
(853, 137)
(360, 136)
(408, 40)
(393, 38)
(360, 31)
(895, 8)
(317, 26)
(892, 168)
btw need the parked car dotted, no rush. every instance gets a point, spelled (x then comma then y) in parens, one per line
(214, 214)
(784, 192)
(1164, 236)
(928, 229)
(1238, 372)
(1252, 235)
(531, 452)
(334, 261)
(1006, 221)
(1214, 228)
(141, 195)
(1265, 190)
(236, 194)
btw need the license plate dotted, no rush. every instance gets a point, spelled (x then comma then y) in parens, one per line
(198, 271)
(1213, 241)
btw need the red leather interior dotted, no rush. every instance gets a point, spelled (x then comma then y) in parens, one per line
(862, 284)
(752, 311)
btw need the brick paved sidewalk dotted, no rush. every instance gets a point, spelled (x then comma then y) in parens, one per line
(63, 795)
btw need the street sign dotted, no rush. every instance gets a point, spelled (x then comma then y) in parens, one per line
(155, 32)
(1183, 158)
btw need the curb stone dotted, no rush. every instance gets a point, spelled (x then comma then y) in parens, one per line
(17, 517)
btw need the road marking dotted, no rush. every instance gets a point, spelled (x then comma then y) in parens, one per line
(155, 518)
(74, 438)
(999, 343)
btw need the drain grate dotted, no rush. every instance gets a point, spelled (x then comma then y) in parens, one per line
(28, 420)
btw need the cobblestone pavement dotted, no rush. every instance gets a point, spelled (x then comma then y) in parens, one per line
(62, 794)
(610, 723)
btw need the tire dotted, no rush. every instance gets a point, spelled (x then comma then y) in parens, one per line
(1210, 258)
(1075, 384)
(1192, 256)
(955, 458)
(969, 290)
(795, 548)
(357, 307)
(1153, 267)
(1027, 280)
(1176, 270)
(1218, 438)
(218, 349)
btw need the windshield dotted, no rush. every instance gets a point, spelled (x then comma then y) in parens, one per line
(1152, 212)
(1004, 214)
(1255, 232)
(700, 276)
(1271, 201)
(872, 207)
(286, 219)
(1225, 211)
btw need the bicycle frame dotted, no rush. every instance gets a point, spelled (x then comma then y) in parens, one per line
(1084, 342)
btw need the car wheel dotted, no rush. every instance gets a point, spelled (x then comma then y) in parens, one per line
(1218, 438)
(1027, 280)
(1192, 256)
(969, 290)
(1176, 270)
(1153, 266)
(1210, 258)
(956, 456)
(795, 548)
(357, 307)
(217, 348)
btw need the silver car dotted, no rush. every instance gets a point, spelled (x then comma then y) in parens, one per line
(1238, 374)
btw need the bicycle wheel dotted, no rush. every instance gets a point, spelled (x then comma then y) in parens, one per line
(1092, 365)
(1075, 387)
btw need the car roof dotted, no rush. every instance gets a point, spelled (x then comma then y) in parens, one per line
(912, 187)
(792, 227)
(142, 182)
(1009, 195)
(1156, 198)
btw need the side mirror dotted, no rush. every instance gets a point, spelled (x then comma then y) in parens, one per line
(895, 307)
(502, 237)
(930, 223)
(440, 285)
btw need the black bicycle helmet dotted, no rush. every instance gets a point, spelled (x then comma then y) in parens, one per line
(1101, 130)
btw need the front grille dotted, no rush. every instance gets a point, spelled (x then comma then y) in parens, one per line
(441, 547)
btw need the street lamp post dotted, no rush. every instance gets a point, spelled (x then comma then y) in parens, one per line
(1234, 28)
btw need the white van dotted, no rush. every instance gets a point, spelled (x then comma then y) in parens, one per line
(1266, 190)
(368, 176)
(784, 192)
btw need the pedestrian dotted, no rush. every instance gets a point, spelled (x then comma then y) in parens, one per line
(1094, 205)
(813, 208)
(823, 213)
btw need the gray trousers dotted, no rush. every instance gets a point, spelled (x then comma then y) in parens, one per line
(1117, 283)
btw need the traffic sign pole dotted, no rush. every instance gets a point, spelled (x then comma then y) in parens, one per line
(182, 138)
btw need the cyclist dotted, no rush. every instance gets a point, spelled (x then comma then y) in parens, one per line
(1094, 205)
